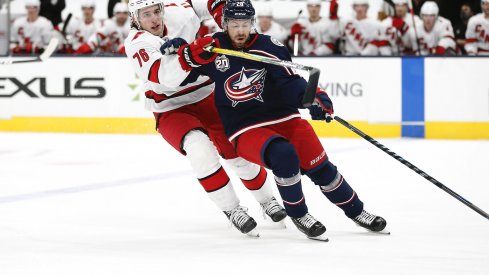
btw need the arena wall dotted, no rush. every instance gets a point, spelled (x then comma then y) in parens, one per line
(444, 98)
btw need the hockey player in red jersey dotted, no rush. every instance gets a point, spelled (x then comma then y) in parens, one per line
(258, 104)
(183, 105)
(477, 34)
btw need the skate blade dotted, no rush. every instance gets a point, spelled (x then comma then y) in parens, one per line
(321, 238)
(383, 232)
(253, 233)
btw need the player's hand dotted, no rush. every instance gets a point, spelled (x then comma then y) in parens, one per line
(171, 46)
(215, 9)
(296, 29)
(400, 25)
(333, 10)
(193, 55)
(322, 109)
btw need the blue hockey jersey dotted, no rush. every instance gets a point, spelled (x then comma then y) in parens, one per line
(250, 94)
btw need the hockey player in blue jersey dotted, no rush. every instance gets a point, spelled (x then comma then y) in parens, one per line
(258, 104)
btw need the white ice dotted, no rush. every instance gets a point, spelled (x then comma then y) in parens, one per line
(129, 204)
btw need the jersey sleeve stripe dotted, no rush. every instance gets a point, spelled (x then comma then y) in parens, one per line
(153, 72)
(158, 98)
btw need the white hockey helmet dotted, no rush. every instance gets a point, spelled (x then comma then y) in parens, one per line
(136, 5)
(314, 2)
(360, 2)
(429, 8)
(486, 1)
(121, 7)
(32, 3)
(88, 4)
(265, 11)
(400, 2)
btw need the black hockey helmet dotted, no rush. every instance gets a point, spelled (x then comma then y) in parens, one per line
(238, 9)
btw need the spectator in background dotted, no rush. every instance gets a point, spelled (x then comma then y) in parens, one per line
(450, 9)
(267, 26)
(31, 33)
(363, 35)
(461, 26)
(317, 35)
(110, 7)
(435, 32)
(477, 35)
(51, 9)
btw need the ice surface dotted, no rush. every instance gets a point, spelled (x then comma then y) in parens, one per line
(129, 204)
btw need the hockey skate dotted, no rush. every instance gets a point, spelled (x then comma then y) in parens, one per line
(273, 210)
(239, 217)
(371, 222)
(313, 228)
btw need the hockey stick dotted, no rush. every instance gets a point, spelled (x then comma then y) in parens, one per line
(411, 166)
(314, 73)
(65, 25)
(53, 44)
(411, 8)
(296, 37)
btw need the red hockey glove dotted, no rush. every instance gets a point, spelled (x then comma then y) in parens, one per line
(322, 109)
(84, 49)
(439, 50)
(333, 10)
(215, 9)
(121, 49)
(400, 25)
(16, 50)
(296, 29)
(193, 55)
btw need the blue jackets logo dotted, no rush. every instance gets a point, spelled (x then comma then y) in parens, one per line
(245, 85)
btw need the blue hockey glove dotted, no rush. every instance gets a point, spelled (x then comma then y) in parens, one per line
(171, 46)
(322, 108)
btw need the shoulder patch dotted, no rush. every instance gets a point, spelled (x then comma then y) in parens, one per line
(276, 42)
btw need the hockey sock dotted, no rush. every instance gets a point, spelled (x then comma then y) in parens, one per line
(337, 190)
(253, 177)
(220, 190)
(281, 157)
(204, 159)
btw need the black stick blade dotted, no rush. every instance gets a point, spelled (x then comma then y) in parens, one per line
(311, 87)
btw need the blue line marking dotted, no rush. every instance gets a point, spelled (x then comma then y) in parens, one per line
(413, 108)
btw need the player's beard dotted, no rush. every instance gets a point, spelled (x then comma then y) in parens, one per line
(240, 40)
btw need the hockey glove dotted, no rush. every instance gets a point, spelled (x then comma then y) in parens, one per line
(215, 9)
(193, 55)
(400, 25)
(322, 109)
(171, 46)
(333, 10)
(296, 29)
